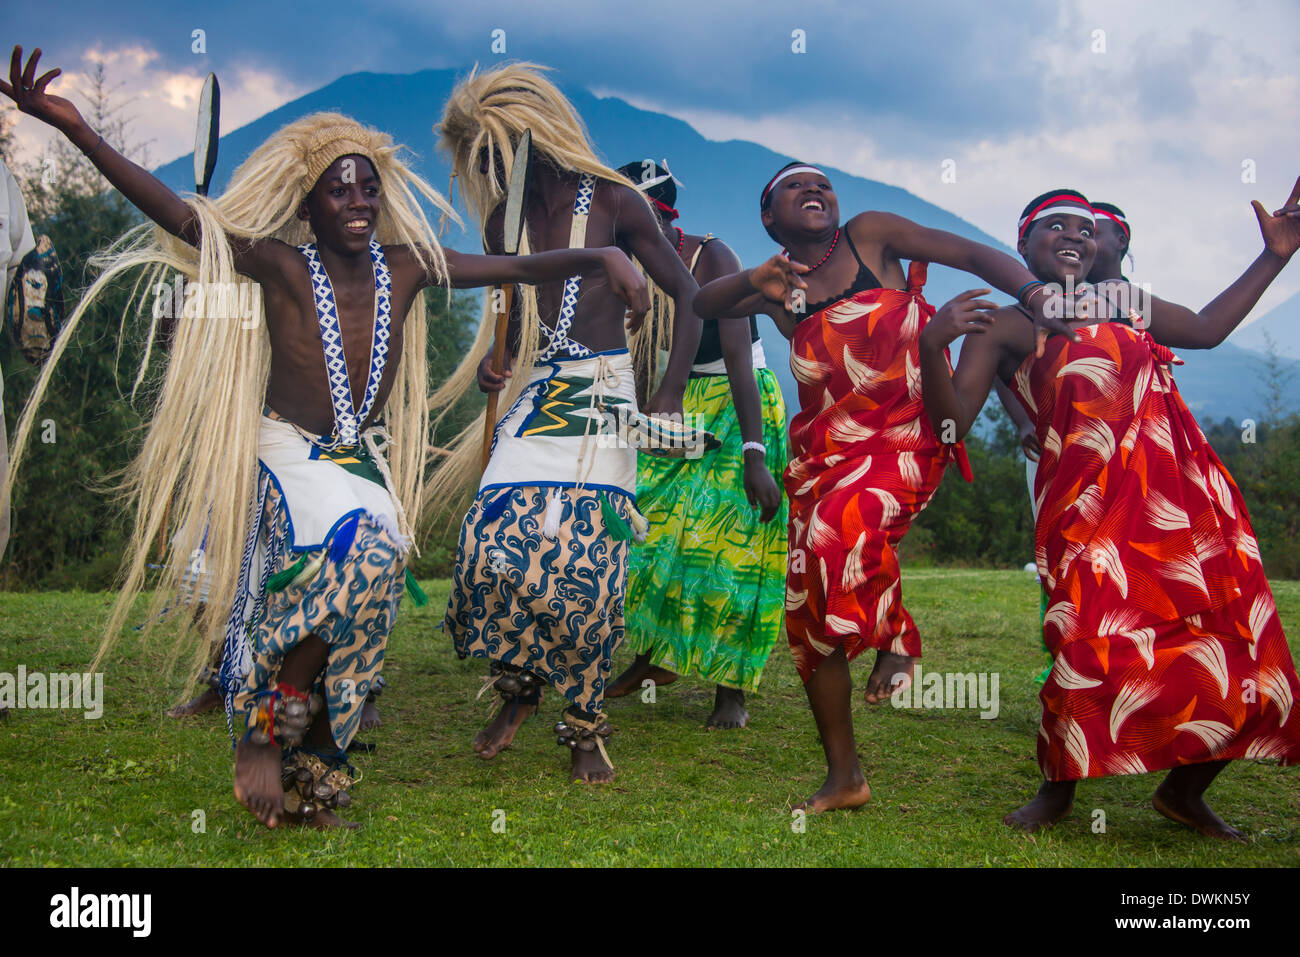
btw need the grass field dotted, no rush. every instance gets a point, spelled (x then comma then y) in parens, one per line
(124, 789)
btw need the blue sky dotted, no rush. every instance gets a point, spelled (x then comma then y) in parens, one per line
(1154, 106)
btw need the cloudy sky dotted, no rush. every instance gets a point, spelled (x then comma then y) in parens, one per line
(1164, 108)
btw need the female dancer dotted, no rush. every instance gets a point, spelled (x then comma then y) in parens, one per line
(864, 460)
(1167, 645)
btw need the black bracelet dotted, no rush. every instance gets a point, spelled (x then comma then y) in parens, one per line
(94, 149)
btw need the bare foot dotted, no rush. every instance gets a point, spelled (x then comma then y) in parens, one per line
(500, 731)
(728, 710)
(631, 680)
(834, 795)
(1192, 811)
(891, 675)
(205, 701)
(323, 820)
(1054, 800)
(257, 781)
(590, 767)
(369, 715)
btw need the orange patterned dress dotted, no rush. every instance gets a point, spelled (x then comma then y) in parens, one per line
(1166, 640)
(864, 463)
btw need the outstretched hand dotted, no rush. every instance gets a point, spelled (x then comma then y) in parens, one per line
(1281, 230)
(28, 93)
(777, 279)
(965, 314)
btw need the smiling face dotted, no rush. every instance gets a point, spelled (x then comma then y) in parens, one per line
(343, 206)
(1058, 246)
(803, 206)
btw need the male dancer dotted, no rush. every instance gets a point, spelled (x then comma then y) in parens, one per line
(541, 571)
(1168, 649)
(705, 591)
(266, 436)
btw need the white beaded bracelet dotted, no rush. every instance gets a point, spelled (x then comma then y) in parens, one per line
(754, 447)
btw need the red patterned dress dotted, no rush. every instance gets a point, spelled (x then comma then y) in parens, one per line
(1166, 640)
(864, 463)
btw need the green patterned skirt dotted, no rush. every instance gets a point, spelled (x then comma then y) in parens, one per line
(706, 591)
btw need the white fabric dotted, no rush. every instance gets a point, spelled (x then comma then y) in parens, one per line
(719, 366)
(318, 494)
(1067, 210)
(16, 237)
(16, 241)
(1031, 472)
(791, 172)
(596, 460)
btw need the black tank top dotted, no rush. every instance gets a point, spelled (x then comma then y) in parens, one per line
(710, 349)
(865, 279)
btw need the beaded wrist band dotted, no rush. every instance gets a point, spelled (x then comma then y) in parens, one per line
(1030, 295)
(95, 149)
(754, 447)
(1020, 295)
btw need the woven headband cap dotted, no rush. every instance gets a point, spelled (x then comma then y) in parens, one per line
(345, 139)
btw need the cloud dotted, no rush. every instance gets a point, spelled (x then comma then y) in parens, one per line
(158, 103)
(1157, 113)
(1155, 107)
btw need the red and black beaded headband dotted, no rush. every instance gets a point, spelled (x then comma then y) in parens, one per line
(1068, 203)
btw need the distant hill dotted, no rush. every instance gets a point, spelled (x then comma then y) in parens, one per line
(722, 182)
(1281, 323)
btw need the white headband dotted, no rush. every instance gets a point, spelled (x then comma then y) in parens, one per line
(790, 172)
(1067, 210)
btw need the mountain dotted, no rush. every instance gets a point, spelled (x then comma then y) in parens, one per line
(1281, 324)
(722, 181)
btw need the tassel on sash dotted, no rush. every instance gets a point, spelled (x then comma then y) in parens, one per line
(618, 529)
(554, 509)
(418, 597)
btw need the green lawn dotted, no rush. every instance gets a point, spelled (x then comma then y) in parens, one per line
(123, 789)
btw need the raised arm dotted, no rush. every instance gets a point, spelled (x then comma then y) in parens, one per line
(472, 270)
(953, 402)
(903, 239)
(138, 185)
(767, 289)
(1181, 328)
(144, 190)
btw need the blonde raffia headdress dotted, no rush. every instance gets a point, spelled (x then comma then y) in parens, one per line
(200, 448)
(331, 142)
(488, 111)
